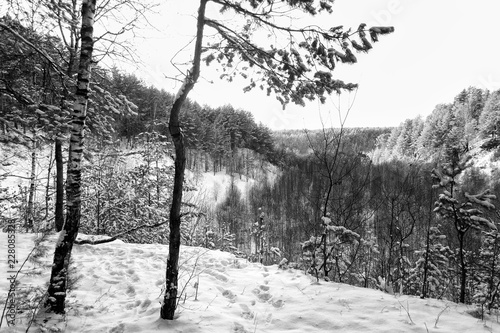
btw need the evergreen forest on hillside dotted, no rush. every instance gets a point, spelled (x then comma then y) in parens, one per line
(409, 210)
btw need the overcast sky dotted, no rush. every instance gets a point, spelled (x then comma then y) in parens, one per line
(439, 48)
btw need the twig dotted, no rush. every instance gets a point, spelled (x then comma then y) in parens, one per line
(197, 285)
(42, 300)
(210, 302)
(407, 310)
(439, 315)
(193, 271)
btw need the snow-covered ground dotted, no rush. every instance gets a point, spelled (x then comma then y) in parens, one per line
(119, 287)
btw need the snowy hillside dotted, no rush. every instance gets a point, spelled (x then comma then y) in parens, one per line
(119, 285)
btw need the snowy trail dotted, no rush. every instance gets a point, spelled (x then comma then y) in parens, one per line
(119, 287)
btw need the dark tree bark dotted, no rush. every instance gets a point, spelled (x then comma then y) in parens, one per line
(59, 275)
(59, 206)
(463, 267)
(427, 246)
(170, 298)
(30, 214)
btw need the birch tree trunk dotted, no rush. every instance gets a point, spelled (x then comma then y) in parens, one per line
(59, 276)
(170, 298)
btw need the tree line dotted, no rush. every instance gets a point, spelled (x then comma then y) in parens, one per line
(471, 117)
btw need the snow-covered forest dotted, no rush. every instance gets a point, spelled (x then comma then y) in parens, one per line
(128, 208)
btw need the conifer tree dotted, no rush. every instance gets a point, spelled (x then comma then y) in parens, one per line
(487, 276)
(460, 209)
(430, 272)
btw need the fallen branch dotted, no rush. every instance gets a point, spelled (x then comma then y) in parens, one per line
(115, 237)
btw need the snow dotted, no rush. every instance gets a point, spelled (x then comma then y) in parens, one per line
(213, 188)
(119, 288)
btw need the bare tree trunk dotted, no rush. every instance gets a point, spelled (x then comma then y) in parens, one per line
(170, 298)
(59, 275)
(47, 189)
(463, 268)
(59, 206)
(427, 248)
(29, 219)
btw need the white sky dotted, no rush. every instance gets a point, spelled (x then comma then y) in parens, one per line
(439, 48)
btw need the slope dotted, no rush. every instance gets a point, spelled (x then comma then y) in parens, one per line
(119, 285)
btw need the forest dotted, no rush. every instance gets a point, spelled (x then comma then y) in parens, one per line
(409, 210)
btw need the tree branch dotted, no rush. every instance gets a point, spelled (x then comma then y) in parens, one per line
(115, 237)
(41, 52)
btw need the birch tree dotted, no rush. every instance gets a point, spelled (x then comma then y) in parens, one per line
(298, 69)
(59, 275)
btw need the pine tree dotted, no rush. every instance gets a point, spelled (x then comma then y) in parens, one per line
(489, 122)
(487, 293)
(460, 208)
(430, 272)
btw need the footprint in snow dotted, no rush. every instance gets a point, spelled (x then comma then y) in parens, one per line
(220, 269)
(145, 305)
(118, 329)
(264, 288)
(278, 304)
(120, 253)
(238, 328)
(264, 297)
(246, 313)
(111, 281)
(227, 294)
(217, 275)
(130, 291)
